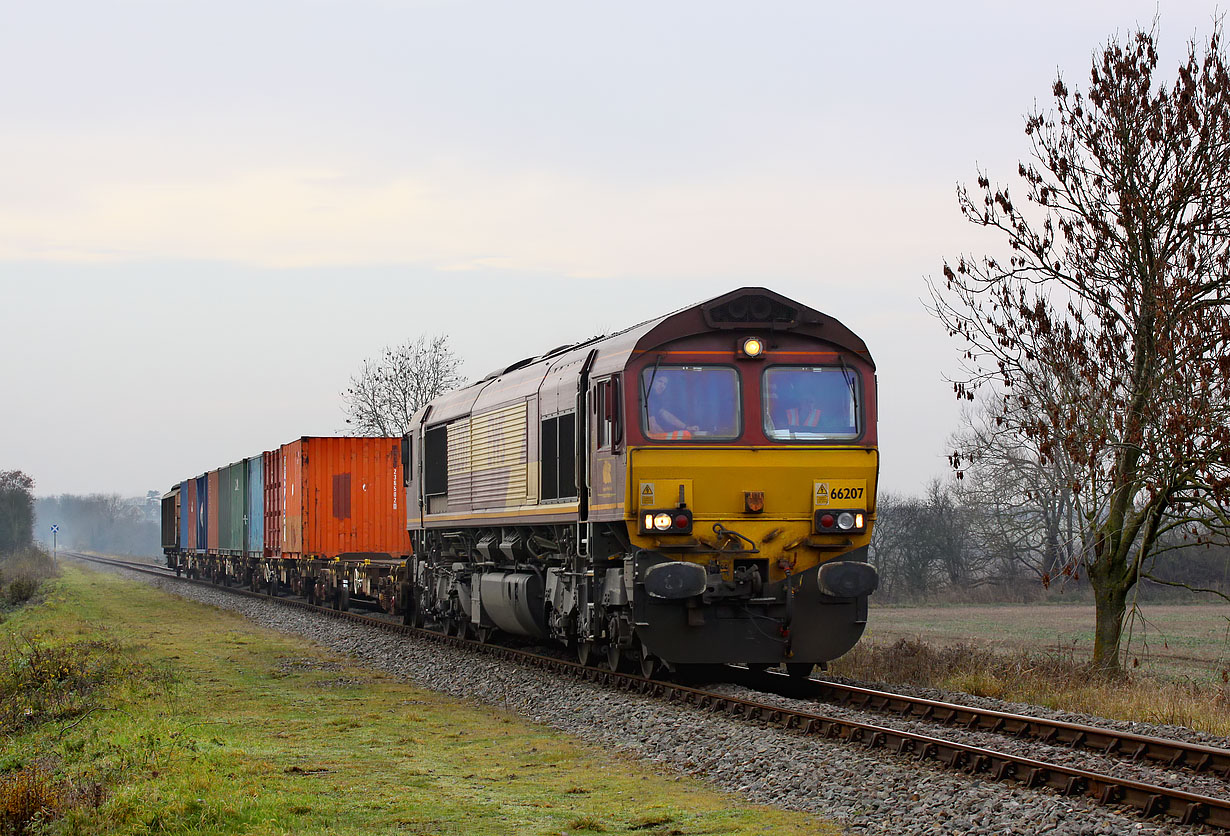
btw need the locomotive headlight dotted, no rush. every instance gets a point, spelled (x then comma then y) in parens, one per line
(845, 521)
(662, 522)
(752, 348)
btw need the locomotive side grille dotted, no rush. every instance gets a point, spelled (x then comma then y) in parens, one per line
(498, 448)
(459, 463)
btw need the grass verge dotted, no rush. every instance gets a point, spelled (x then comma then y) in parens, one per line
(149, 714)
(21, 574)
(1049, 678)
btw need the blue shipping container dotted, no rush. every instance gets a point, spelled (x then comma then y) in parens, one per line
(202, 513)
(255, 528)
(187, 515)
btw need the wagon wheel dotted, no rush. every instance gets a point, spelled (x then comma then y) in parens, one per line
(484, 634)
(585, 652)
(409, 606)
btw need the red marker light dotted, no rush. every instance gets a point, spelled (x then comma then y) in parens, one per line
(682, 521)
(826, 521)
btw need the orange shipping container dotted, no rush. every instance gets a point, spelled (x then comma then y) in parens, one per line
(344, 496)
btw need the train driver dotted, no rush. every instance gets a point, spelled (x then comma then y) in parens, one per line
(793, 410)
(665, 406)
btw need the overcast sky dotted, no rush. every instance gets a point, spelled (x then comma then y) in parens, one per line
(211, 212)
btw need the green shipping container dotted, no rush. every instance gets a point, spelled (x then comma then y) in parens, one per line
(232, 508)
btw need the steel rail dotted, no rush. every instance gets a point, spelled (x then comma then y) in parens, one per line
(1173, 754)
(1148, 799)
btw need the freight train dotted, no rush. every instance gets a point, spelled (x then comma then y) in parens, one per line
(323, 518)
(697, 489)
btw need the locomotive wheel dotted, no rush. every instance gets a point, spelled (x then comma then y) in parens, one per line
(615, 656)
(648, 664)
(585, 653)
(799, 670)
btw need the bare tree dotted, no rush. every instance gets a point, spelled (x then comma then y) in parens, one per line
(1105, 331)
(1023, 518)
(390, 388)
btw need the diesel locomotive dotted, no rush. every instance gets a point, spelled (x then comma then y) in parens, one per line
(696, 489)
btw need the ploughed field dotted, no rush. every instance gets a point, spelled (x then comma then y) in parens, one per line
(1168, 640)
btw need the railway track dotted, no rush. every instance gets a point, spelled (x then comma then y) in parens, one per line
(1148, 799)
(1172, 754)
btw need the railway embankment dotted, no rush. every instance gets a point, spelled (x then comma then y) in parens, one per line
(868, 790)
(129, 710)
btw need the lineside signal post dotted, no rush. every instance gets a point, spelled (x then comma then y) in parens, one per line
(55, 549)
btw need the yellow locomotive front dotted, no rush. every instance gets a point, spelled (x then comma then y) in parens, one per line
(750, 482)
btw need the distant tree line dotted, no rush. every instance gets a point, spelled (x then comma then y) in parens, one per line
(106, 523)
(16, 511)
(977, 540)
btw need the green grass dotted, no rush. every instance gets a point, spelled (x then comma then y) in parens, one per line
(204, 723)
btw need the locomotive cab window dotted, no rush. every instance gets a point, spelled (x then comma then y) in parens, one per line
(811, 403)
(690, 403)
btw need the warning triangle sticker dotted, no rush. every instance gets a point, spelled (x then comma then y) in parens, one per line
(647, 493)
